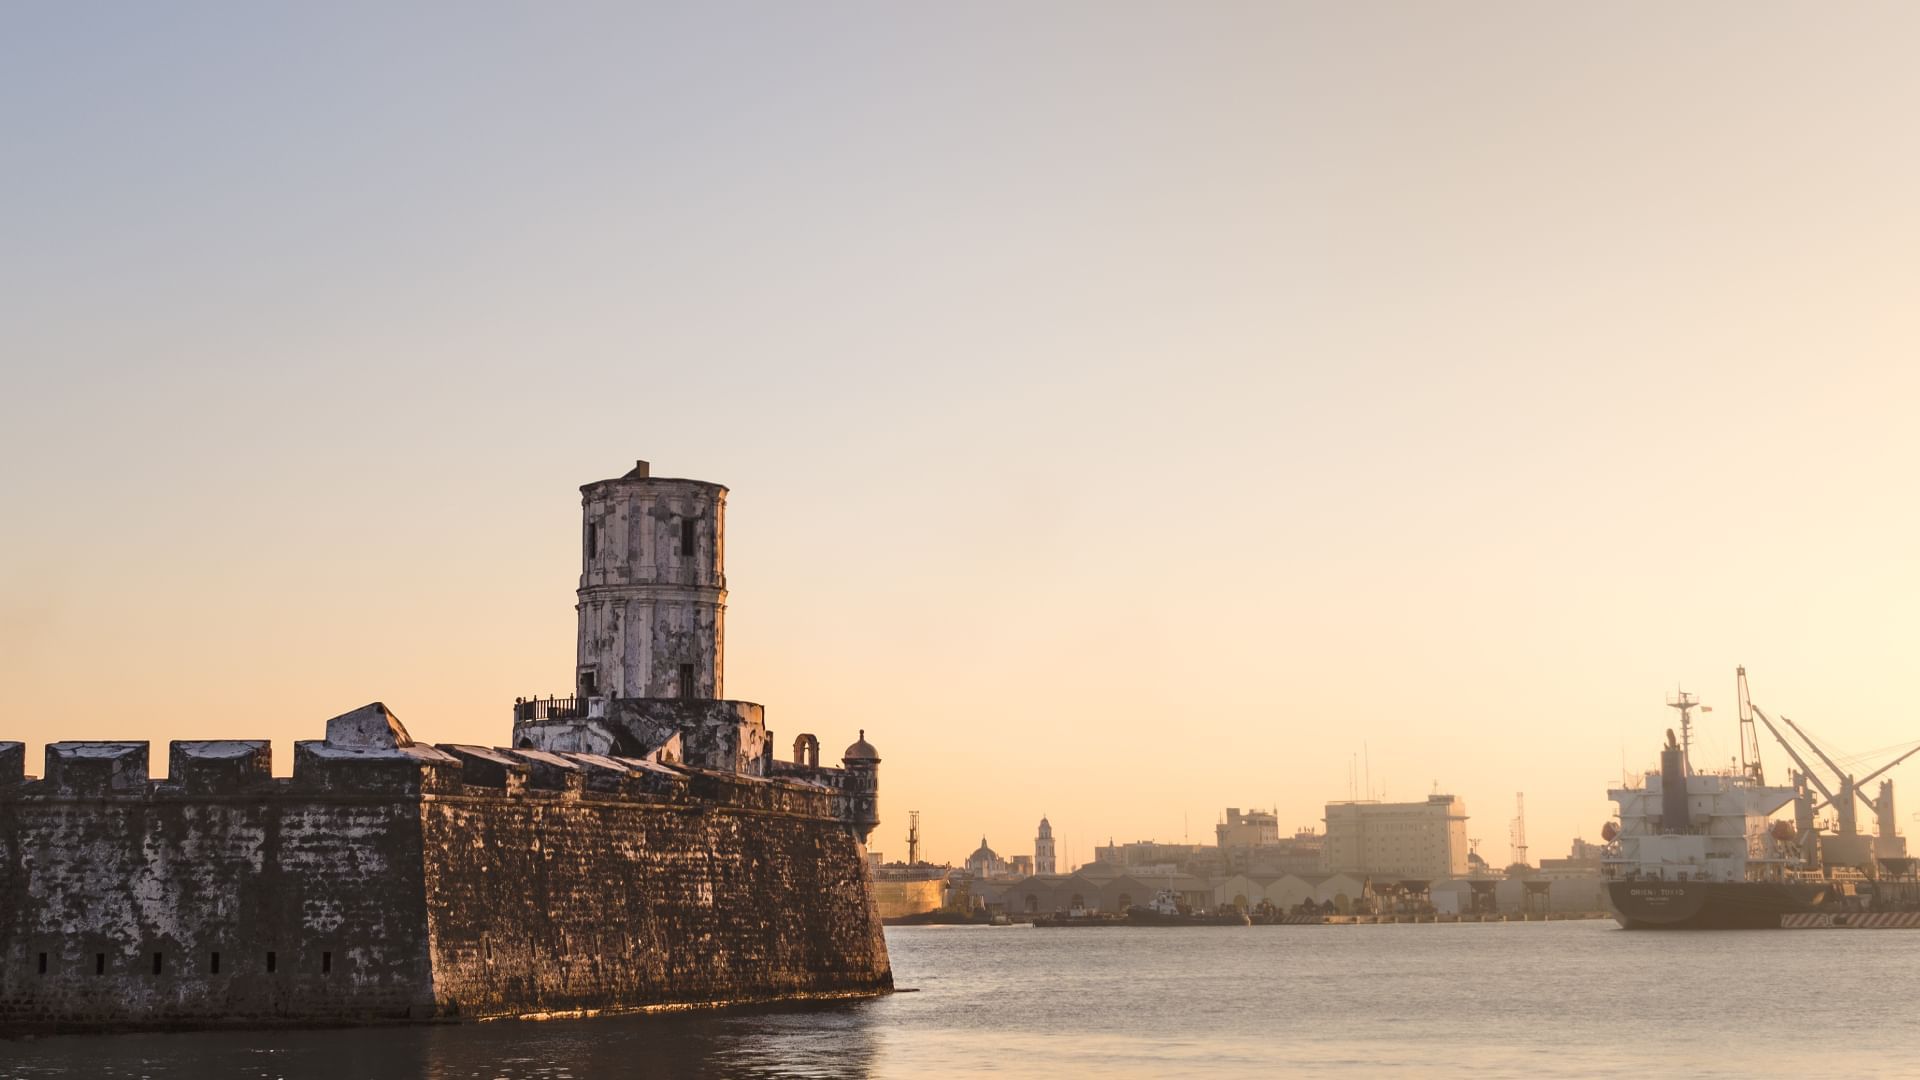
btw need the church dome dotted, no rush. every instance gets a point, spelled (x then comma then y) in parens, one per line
(983, 853)
(861, 750)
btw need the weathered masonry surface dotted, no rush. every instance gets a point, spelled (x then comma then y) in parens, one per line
(388, 880)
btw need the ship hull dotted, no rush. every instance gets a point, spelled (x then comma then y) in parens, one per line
(1714, 905)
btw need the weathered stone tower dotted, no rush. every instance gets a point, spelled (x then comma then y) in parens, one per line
(653, 588)
(651, 660)
(1043, 862)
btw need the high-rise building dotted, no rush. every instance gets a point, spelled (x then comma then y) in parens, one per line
(1422, 840)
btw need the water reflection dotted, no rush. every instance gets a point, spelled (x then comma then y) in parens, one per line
(828, 1040)
(1455, 1002)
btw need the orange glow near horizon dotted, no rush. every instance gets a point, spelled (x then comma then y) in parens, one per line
(1123, 433)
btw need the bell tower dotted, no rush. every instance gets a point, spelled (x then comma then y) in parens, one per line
(653, 588)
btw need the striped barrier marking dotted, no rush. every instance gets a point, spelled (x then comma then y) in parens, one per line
(1851, 920)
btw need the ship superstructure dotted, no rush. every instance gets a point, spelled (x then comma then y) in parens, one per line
(1680, 824)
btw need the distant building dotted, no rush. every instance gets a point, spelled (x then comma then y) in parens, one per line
(1302, 853)
(1043, 862)
(1020, 866)
(1424, 840)
(1255, 828)
(985, 863)
(1143, 854)
(1582, 861)
(1089, 891)
(1251, 843)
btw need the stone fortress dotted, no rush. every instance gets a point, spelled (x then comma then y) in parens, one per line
(637, 846)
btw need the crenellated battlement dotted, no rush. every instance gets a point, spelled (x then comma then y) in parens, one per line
(369, 752)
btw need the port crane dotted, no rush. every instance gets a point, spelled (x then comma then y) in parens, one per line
(1844, 788)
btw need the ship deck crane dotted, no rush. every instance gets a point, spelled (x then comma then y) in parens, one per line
(1749, 736)
(1806, 770)
(1841, 800)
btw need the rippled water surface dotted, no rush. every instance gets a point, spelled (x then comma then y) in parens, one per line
(1494, 1000)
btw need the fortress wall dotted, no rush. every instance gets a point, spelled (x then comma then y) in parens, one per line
(415, 883)
(100, 882)
(586, 903)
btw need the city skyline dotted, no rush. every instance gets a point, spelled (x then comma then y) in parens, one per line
(1119, 433)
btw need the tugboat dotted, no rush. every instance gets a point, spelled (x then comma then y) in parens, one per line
(1697, 851)
(1166, 910)
(1079, 917)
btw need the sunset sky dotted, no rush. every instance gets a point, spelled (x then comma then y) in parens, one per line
(1130, 410)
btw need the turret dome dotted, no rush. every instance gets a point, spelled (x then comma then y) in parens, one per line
(861, 750)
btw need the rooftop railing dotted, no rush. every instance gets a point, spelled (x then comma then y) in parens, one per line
(546, 708)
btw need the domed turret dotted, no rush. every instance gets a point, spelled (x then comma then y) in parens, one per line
(862, 786)
(862, 750)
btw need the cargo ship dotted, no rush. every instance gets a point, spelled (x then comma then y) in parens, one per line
(1698, 850)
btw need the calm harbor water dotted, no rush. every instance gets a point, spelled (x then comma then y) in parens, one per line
(1496, 1000)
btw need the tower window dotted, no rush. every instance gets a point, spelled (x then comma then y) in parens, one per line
(156, 963)
(99, 963)
(214, 968)
(326, 963)
(686, 681)
(686, 538)
(593, 541)
(43, 963)
(272, 961)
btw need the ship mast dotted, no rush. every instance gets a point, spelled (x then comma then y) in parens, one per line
(1686, 703)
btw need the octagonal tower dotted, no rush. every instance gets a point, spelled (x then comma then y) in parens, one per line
(653, 588)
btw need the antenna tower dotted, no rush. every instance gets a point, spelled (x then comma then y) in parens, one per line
(913, 838)
(1518, 833)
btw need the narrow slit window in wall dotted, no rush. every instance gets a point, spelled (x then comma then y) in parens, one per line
(99, 963)
(686, 680)
(686, 538)
(156, 963)
(214, 967)
(326, 963)
(272, 962)
(43, 963)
